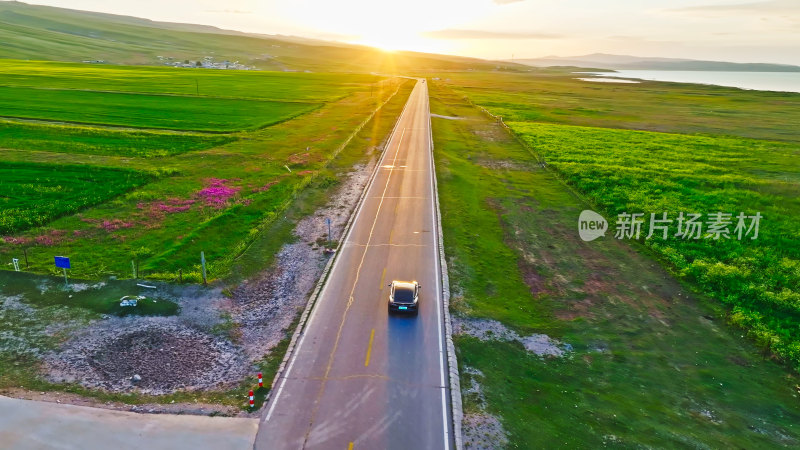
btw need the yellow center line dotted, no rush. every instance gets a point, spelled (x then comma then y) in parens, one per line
(383, 278)
(369, 347)
(352, 290)
(391, 235)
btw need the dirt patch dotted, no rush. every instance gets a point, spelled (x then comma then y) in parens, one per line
(593, 278)
(483, 431)
(149, 355)
(578, 308)
(505, 164)
(535, 282)
(487, 329)
(480, 430)
(447, 117)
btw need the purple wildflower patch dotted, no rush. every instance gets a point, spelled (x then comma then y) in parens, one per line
(115, 224)
(216, 193)
(22, 240)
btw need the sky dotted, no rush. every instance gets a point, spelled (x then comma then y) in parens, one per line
(720, 30)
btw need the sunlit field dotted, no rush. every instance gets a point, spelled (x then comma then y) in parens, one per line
(262, 143)
(654, 361)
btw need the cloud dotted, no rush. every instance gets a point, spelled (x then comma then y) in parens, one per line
(506, 2)
(768, 6)
(485, 34)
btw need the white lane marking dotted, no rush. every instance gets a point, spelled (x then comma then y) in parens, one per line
(442, 354)
(296, 351)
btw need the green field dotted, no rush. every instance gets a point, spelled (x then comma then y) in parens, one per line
(722, 170)
(275, 86)
(556, 96)
(103, 141)
(652, 362)
(145, 111)
(34, 194)
(24, 323)
(628, 171)
(218, 191)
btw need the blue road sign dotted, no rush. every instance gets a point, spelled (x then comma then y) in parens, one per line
(62, 262)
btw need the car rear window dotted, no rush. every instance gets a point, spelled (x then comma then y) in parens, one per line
(403, 295)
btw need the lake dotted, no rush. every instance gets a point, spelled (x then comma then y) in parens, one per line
(762, 81)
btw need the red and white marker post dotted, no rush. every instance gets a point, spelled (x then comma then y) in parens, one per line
(252, 400)
(260, 380)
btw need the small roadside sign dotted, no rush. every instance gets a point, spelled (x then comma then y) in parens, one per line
(62, 262)
(328, 221)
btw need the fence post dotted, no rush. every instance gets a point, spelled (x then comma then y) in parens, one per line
(203, 262)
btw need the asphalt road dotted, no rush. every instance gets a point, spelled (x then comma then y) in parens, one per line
(358, 378)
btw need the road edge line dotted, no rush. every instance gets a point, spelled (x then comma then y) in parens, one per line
(312, 300)
(456, 404)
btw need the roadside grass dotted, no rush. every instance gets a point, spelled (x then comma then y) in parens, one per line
(652, 362)
(216, 200)
(557, 96)
(365, 145)
(644, 172)
(188, 113)
(34, 194)
(103, 141)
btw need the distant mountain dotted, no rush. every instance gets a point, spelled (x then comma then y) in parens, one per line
(58, 34)
(622, 62)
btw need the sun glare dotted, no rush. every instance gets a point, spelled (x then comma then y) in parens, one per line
(385, 25)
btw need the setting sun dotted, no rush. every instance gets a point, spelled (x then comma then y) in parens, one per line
(402, 28)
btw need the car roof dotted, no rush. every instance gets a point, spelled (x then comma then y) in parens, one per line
(404, 284)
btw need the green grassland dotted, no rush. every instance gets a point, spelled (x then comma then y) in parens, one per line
(556, 96)
(629, 171)
(653, 363)
(103, 141)
(646, 172)
(216, 198)
(34, 194)
(275, 86)
(146, 111)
